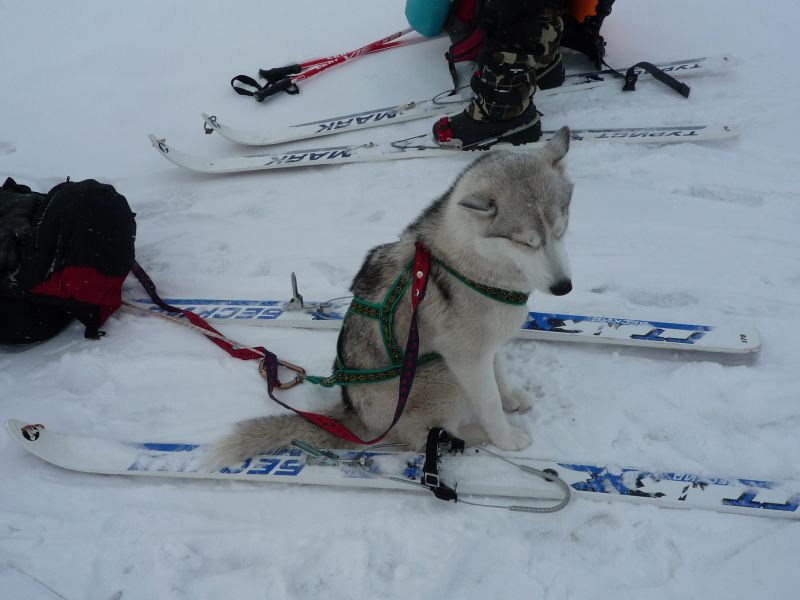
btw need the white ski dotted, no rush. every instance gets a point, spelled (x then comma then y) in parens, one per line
(538, 326)
(440, 105)
(422, 146)
(472, 474)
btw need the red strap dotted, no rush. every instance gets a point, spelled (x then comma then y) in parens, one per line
(422, 265)
(197, 320)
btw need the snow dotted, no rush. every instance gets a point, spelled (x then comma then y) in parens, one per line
(698, 233)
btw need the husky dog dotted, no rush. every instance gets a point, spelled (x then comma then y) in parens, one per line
(500, 227)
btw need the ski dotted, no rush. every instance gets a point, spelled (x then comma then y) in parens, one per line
(538, 326)
(422, 146)
(440, 105)
(474, 473)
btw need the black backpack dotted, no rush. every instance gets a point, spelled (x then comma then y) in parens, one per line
(63, 255)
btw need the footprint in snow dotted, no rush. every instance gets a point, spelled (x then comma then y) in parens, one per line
(723, 194)
(673, 300)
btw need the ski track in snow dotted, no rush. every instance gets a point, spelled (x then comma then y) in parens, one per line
(687, 232)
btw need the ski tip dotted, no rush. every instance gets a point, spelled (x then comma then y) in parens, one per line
(23, 432)
(159, 144)
(750, 340)
(210, 122)
(716, 62)
(730, 130)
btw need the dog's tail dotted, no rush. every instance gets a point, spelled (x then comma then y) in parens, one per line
(259, 435)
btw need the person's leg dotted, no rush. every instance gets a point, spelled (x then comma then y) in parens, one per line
(521, 37)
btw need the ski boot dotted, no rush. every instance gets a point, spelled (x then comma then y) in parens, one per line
(502, 110)
(520, 38)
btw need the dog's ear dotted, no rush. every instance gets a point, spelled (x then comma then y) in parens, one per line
(480, 205)
(556, 147)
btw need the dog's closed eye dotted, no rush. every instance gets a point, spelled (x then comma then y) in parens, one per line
(527, 239)
(484, 205)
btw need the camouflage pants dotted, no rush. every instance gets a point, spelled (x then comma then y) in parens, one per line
(506, 77)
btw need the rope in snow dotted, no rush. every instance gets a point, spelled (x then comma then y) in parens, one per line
(189, 325)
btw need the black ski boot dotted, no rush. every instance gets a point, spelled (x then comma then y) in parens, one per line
(502, 110)
(520, 37)
(465, 133)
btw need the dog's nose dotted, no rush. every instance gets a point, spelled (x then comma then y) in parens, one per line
(562, 287)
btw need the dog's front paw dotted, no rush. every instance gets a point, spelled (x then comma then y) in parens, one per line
(516, 400)
(514, 439)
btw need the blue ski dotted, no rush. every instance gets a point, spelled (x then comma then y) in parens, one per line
(476, 472)
(538, 326)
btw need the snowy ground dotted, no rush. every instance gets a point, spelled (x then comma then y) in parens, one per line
(699, 233)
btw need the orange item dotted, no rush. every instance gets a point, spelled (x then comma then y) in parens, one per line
(580, 9)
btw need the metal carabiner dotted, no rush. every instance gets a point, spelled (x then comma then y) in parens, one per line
(301, 373)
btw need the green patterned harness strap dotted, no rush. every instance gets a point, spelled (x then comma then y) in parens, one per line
(495, 293)
(384, 314)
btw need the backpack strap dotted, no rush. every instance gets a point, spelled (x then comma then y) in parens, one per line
(466, 37)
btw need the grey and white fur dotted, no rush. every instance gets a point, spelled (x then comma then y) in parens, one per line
(502, 223)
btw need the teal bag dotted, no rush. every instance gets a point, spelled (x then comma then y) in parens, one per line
(428, 17)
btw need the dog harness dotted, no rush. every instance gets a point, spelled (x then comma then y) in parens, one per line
(384, 313)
